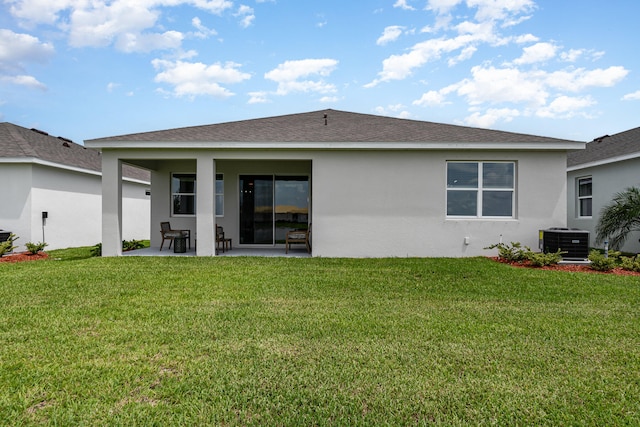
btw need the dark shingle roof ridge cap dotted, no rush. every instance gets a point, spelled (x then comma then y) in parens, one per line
(170, 135)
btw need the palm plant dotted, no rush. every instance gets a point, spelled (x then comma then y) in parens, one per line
(619, 218)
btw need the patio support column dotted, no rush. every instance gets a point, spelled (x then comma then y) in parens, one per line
(111, 205)
(206, 206)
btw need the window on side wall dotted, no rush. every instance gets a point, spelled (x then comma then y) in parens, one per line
(585, 197)
(219, 194)
(183, 194)
(481, 189)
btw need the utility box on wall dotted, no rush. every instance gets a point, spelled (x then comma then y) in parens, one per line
(573, 241)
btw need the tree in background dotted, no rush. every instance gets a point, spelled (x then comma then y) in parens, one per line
(619, 218)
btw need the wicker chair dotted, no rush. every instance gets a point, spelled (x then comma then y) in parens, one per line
(169, 234)
(298, 236)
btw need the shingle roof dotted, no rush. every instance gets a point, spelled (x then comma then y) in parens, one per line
(328, 126)
(17, 142)
(607, 147)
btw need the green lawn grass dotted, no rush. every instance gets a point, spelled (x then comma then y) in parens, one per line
(291, 341)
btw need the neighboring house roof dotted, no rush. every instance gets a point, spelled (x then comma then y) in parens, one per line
(313, 129)
(606, 149)
(21, 144)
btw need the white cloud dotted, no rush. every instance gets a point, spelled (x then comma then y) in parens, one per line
(329, 99)
(496, 94)
(526, 38)
(51, 11)
(17, 51)
(402, 4)
(508, 11)
(483, 29)
(290, 74)
(442, 6)
(465, 55)
(22, 80)
(395, 110)
(149, 42)
(565, 107)
(539, 52)
(203, 32)
(193, 79)
(432, 99)
(246, 15)
(390, 34)
(575, 80)
(572, 55)
(634, 96)
(399, 67)
(258, 97)
(497, 85)
(491, 117)
(127, 24)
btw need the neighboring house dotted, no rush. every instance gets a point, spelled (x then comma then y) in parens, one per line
(607, 166)
(371, 186)
(50, 176)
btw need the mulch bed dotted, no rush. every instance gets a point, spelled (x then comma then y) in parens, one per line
(583, 268)
(23, 256)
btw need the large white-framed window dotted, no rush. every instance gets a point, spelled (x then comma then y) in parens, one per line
(482, 189)
(219, 194)
(585, 196)
(183, 194)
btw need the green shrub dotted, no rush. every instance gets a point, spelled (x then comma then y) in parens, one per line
(601, 263)
(630, 263)
(513, 252)
(127, 245)
(34, 248)
(130, 245)
(96, 250)
(540, 259)
(7, 246)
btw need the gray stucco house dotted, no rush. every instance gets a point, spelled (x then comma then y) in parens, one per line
(372, 186)
(608, 165)
(52, 191)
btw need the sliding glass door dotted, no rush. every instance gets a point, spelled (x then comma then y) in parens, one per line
(256, 209)
(271, 205)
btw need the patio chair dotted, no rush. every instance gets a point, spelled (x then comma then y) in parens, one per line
(222, 241)
(298, 236)
(169, 234)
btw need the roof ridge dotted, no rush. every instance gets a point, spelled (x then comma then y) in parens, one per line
(329, 125)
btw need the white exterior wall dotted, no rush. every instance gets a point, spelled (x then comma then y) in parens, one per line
(376, 204)
(608, 180)
(73, 202)
(380, 203)
(15, 197)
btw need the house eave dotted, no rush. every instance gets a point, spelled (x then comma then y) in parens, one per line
(336, 146)
(603, 162)
(40, 162)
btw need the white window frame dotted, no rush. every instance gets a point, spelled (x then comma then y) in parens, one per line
(580, 198)
(173, 194)
(480, 189)
(219, 196)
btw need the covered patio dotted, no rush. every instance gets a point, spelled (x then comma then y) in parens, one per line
(298, 251)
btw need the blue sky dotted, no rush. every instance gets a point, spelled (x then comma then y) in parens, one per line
(86, 69)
